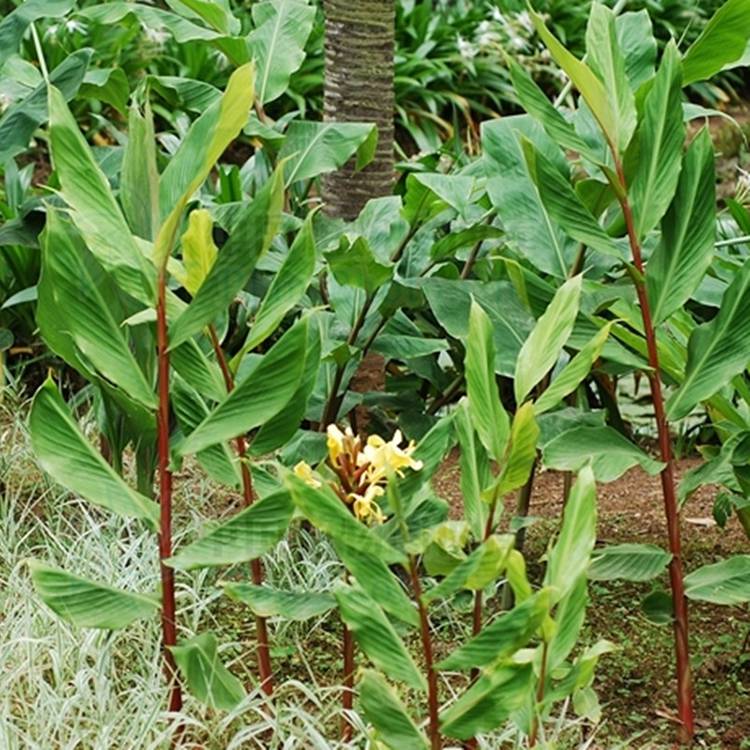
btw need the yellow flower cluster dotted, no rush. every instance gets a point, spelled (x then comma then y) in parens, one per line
(362, 469)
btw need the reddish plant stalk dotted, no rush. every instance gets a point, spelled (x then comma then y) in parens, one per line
(347, 701)
(432, 681)
(539, 695)
(168, 623)
(680, 612)
(256, 569)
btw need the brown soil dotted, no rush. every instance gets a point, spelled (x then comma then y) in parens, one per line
(635, 685)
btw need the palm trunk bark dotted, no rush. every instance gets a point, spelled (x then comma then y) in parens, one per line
(359, 48)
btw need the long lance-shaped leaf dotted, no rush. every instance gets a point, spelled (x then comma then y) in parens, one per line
(66, 455)
(286, 290)
(610, 452)
(377, 637)
(204, 143)
(722, 42)
(94, 209)
(661, 137)
(245, 536)
(250, 239)
(205, 676)
(281, 428)
(521, 453)
(571, 554)
(536, 103)
(478, 570)
(573, 373)
(84, 314)
(718, 350)
(489, 702)
(564, 205)
(385, 711)
(291, 605)
(475, 470)
(605, 57)
(25, 115)
(584, 79)
(377, 579)
(490, 418)
(261, 395)
(628, 562)
(15, 22)
(726, 582)
(278, 43)
(570, 614)
(88, 604)
(502, 637)
(542, 348)
(686, 250)
(328, 513)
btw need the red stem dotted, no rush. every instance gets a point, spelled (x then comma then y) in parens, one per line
(347, 701)
(539, 695)
(432, 682)
(671, 509)
(256, 569)
(168, 623)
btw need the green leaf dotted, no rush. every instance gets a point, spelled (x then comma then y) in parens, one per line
(205, 676)
(198, 249)
(376, 636)
(88, 604)
(573, 374)
(570, 614)
(478, 570)
(717, 350)
(200, 149)
(356, 265)
(277, 43)
(490, 701)
(15, 22)
(722, 42)
(93, 207)
(65, 455)
(287, 288)
(139, 180)
(245, 536)
(525, 219)
(23, 117)
(726, 582)
(261, 395)
(215, 13)
(658, 607)
(661, 137)
(314, 148)
(329, 514)
(571, 553)
(108, 85)
(503, 636)
(536, 103)
(250, 239)
(475, 470)
(385, 711)
(606, 59)
(542, 348)
(686, 250)
(489, 417)
(611, 453)
(563, 204)
(635, 34)
(74, 297)
(291, 605)
(377, 579)
(628, 562)
(521, 454)
(584, 79)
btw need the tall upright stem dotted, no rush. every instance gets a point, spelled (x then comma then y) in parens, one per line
(682, 652)
(256, 569)
(168, 623)
(347, 701)
(432, 681)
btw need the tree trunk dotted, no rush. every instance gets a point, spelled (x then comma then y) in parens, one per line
(359, 48)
